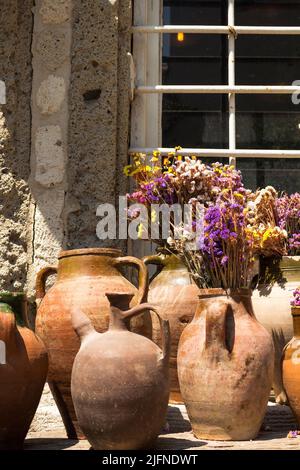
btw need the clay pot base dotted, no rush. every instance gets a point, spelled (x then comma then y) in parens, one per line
(218, 434)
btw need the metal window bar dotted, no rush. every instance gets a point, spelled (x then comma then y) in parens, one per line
(232, 89)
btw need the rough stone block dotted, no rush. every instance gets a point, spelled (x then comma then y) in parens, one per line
(49, 231)
(15, 139)
(50, 156)
(53, 48)
(51, 94)
(55, 11)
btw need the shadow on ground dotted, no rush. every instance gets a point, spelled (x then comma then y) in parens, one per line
(51, 443)
(173, 443)
(177, 421)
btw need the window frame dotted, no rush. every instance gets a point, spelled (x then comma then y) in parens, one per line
(146, 128)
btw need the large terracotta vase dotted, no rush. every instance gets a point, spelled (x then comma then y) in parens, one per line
(120, 380)
(291, 366)
(271, 305)
(83, 277)
(225, 367)
(175, 295)
(23, 371)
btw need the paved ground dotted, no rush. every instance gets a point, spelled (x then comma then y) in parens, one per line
(47, 432)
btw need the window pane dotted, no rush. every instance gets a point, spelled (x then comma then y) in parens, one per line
(267, 13)
(195, 129)
(267, 122)
(267, 60)
(284, 174)
(195, 12)
(196, 59)
(193, 71)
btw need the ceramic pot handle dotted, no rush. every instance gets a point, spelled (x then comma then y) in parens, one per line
(157, 260)
(143, 274)
(40, 285)
(216, 317)
(154, 259)
(164, 325)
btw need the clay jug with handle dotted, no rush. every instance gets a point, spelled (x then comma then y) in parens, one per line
(175, 295)
(271, 305)
(291, 366)
(225, 367)
(83, 277)
(120, 382)
(23, 371)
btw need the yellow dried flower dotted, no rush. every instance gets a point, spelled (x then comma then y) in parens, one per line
(153, 216)
(140, 231)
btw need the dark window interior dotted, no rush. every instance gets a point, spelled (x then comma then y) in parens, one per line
(263, 121)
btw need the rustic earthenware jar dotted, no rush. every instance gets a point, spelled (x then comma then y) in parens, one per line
(120, 382)
(23, 371)
(291, 366)
(225, 367)
(272, 308)
(83, 277)
(175, 295)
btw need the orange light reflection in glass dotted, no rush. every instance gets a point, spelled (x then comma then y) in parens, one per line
(180, 37)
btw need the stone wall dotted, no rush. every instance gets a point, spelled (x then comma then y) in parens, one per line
(99, 109)
(15, 141)
(80, 121)
(51, 49)
(62, 156)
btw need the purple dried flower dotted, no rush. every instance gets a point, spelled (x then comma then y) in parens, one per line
(296, 301)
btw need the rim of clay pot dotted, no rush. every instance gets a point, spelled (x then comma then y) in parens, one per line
(218, 292)
(115, 252)
(290, 262)
(112, 296)
(295, 310)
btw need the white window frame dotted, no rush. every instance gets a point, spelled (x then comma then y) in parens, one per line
(147, 108)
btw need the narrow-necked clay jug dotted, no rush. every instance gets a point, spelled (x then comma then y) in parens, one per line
(271, 303)
(120, 384)
(23, 371)
(83, 277)
(175, 295)
(225, 367)
(291, 366)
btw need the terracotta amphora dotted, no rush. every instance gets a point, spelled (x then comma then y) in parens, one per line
(291, 366)
(23, 371)
(271, 304)
(83, 277)
(175, 295)
(120, 384)
(225, 367)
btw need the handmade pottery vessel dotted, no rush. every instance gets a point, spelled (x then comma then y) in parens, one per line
(291, 366)
(175, 295)
(83, 277)
(225, 367)
(271, 304)
(120, 382)
(23, 371)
